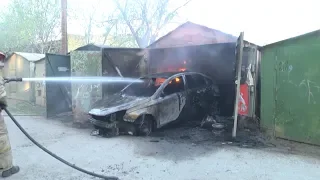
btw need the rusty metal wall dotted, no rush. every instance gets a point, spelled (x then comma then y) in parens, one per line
(290, 83)
(215, 60)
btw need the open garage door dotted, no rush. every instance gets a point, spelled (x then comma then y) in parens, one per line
(58, 94)
(125, 62)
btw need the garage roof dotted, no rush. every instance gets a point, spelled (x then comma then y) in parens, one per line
(32, 57)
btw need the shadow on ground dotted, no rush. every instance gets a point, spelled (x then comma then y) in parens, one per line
(188, 140)
(25, 108)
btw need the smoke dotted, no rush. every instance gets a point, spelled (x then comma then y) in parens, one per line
(215, 60)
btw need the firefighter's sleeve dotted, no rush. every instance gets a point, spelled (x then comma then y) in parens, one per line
(3, 94)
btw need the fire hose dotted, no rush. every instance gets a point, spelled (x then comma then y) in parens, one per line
(45, 149)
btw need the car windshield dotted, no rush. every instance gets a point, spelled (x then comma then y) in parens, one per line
(143, 89)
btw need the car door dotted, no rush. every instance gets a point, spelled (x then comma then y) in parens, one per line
(212, 89)
(201, 88)
(171, 101)
(211, 95)
(192, 96)
(195, 89)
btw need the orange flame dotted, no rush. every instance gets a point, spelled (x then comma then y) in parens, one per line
(159, 81)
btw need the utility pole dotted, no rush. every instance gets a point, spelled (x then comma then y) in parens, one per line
(64, 32)
(238, 70)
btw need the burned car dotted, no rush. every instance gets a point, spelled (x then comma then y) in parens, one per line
(157, 100)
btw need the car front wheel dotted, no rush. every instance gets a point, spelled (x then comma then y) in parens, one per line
(145, 125)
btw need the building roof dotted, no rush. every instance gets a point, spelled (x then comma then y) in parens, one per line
(91, 47)
(188, 23)
(32, 57)
(315, 34)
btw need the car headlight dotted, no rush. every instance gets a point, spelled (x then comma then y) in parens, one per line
(132, 115)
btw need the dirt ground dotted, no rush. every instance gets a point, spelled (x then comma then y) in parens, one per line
(182, 154)
(24, 108)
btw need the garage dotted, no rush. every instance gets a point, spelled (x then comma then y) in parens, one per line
(219, 59)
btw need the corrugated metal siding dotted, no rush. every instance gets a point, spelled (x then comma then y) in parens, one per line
(17, 66)
(267, 89)
(291, 89)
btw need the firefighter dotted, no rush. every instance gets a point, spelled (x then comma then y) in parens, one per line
(6, 167)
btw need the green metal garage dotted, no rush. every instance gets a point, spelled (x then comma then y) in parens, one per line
(290, 88)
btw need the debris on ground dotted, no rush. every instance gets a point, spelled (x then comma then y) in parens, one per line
(212, 129)
(217, 130)
(94, 132)
(207, 122)
(185, 137)
(154, 140)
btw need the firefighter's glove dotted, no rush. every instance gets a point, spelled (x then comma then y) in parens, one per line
(3, 103)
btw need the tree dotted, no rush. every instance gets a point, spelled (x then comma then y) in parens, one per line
(85, 14)
(146, 18)
(118, 35)
(89, 15)
(32, 22)
(108, 26)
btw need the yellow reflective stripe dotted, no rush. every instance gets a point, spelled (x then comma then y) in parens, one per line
(5, 149)
(4, 144)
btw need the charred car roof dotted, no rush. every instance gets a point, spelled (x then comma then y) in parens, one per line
(169, 74)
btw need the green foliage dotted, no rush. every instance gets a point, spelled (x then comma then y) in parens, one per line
(33, 25)
(32, 22)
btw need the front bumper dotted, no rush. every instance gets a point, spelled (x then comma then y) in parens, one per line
(103, 124)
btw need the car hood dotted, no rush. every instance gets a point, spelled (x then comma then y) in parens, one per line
(116, 103)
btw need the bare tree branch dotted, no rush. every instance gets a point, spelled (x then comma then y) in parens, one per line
(144, 18)
(128, 22)
(106, 34)
(166, 20)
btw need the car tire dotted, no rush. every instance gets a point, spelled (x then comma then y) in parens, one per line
(145, 126)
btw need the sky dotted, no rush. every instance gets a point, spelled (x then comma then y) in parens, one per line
(262, 22)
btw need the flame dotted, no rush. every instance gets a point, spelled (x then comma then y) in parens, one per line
(159, 81)
(182, 69)
(176, 80)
